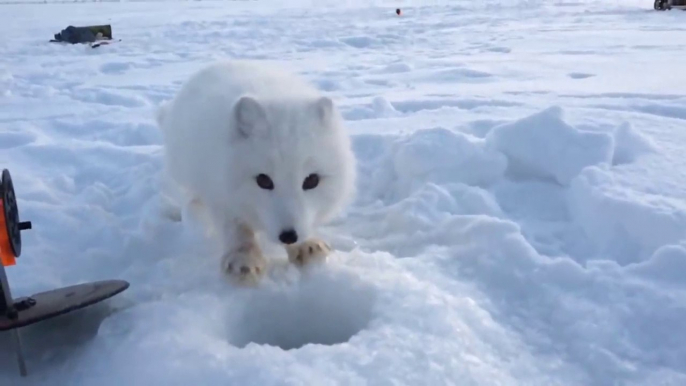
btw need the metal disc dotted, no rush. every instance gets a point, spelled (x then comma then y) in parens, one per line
(63, 300)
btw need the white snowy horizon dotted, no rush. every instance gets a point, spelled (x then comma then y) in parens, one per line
(520, 217)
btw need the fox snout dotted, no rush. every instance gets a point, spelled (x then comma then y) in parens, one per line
(289, 221)
(288, 236)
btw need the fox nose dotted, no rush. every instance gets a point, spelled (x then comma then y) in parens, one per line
(288, 236)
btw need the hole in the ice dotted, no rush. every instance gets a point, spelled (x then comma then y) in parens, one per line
(327, 308)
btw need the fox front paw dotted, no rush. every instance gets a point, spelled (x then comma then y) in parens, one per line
(244, 266)
(308, 252)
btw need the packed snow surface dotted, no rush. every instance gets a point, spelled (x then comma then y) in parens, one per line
(520, 218)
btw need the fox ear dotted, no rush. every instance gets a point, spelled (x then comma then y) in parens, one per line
(250, 117)
(324, 109)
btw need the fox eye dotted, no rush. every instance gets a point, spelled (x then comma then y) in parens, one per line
(311, 181)
(264, 182)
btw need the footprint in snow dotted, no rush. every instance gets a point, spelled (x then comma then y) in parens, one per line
(579, 75)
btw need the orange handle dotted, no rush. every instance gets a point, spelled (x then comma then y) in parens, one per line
(6, 255)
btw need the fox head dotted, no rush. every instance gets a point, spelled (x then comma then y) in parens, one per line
(292, 167)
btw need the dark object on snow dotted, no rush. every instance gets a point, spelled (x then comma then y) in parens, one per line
(87, 34)
(661, 5)
(16, 313)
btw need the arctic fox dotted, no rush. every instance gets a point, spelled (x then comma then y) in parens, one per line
(252, 148)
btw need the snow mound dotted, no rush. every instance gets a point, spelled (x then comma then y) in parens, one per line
(631, 144)
(552, 300)
(383, 108)
(667, 265)
(625, 224)
(440, 155)
(544, 146)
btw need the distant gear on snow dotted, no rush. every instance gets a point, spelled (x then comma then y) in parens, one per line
(95, 35)
(662, 5)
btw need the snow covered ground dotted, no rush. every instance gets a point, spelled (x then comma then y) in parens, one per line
(520, 219)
